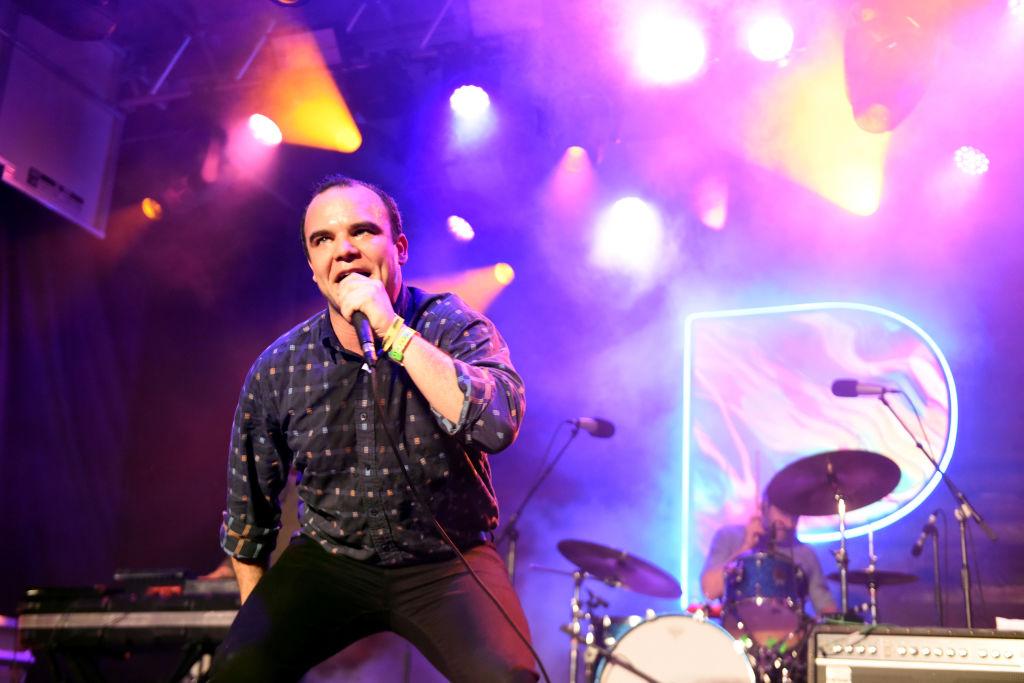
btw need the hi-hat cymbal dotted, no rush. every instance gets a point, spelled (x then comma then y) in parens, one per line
(620, 569)
(809, 485)
(863, 577)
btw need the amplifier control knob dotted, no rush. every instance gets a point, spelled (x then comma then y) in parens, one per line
(925, 651)
(995, 654)
(901, 651)
(849, 649)
(872, 650)
(913, 652)
(860, 649)
(1008, 655)
(836, 649)
(983, 653)
(961, 652)
(950, 652)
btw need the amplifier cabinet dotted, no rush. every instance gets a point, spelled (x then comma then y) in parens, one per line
(857, 653)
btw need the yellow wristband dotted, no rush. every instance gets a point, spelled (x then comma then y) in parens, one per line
(389, 335)
(401, 343)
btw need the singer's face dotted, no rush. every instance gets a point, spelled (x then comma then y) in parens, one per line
(347, 230)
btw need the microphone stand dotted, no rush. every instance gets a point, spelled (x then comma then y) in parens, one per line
(963, 512)
(938, 577)
(511, 531)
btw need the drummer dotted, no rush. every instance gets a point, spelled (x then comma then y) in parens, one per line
(730, 542)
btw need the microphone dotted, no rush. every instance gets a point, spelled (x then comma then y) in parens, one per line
(365, 335)
(849, 388)
(929, 528)
(594, 426)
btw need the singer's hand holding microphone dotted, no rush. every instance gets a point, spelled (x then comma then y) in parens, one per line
(365, 302)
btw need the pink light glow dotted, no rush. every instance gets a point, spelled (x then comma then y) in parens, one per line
(712, 202)
(571, 185)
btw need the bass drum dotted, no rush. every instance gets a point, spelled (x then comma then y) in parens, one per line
(675, 648)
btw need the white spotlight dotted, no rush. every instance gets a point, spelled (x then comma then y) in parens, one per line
(769, 38)
(629, 238)
(668, 48)
(265, 130)
(971, 160)
(460, 228)
(470, 102)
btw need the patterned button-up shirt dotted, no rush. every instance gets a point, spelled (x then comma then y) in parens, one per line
(307, 405)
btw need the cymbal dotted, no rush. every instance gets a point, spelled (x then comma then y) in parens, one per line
(620, 569)
(808, 485)
(862, 577)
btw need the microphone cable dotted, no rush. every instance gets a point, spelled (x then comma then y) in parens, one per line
(444, 534)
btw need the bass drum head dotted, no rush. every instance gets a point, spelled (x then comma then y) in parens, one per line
(676, 648)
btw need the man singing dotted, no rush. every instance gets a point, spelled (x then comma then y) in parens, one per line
(369, 557)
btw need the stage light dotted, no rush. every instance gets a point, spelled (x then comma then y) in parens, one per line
(265, 130)
(470, 102)
(460, 228)
(889, 57)
(668, 49)
(152, 209)
(769, 38)
(289, 3)
(629, 237)
(712, 202)
(971, 160)
(302, 97)
(503, 273)
(478, 287)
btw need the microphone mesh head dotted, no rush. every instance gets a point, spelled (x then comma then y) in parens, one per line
(847, 388)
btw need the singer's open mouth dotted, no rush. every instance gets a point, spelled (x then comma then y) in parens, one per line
(342, 276)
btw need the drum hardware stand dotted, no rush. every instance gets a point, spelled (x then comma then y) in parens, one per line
(963, 512)
(842, 557)
(965, 568)
(575, 625)
(938, 576)
(511, 531)
(872, 582)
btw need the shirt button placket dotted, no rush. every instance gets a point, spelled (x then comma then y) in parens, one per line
(377, 525)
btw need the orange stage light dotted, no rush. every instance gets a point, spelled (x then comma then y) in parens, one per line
(478, 287)
(304, 101)
(152, 209)
(801, 125)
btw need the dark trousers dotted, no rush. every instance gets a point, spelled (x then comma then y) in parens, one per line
(312, 604)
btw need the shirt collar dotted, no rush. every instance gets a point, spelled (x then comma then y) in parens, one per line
(325, 331)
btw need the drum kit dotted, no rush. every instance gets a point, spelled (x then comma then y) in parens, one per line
(762, 626)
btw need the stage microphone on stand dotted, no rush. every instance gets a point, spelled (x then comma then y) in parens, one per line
(929, 528)
(850, 388)
(594, 426)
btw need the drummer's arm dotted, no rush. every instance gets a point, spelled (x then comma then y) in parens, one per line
(723, 551)
(817, 588)
(712, 582)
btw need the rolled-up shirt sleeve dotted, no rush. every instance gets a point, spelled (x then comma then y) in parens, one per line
(494, 396)
(258, 464)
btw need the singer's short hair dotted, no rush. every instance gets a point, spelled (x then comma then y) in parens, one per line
(338, 180)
